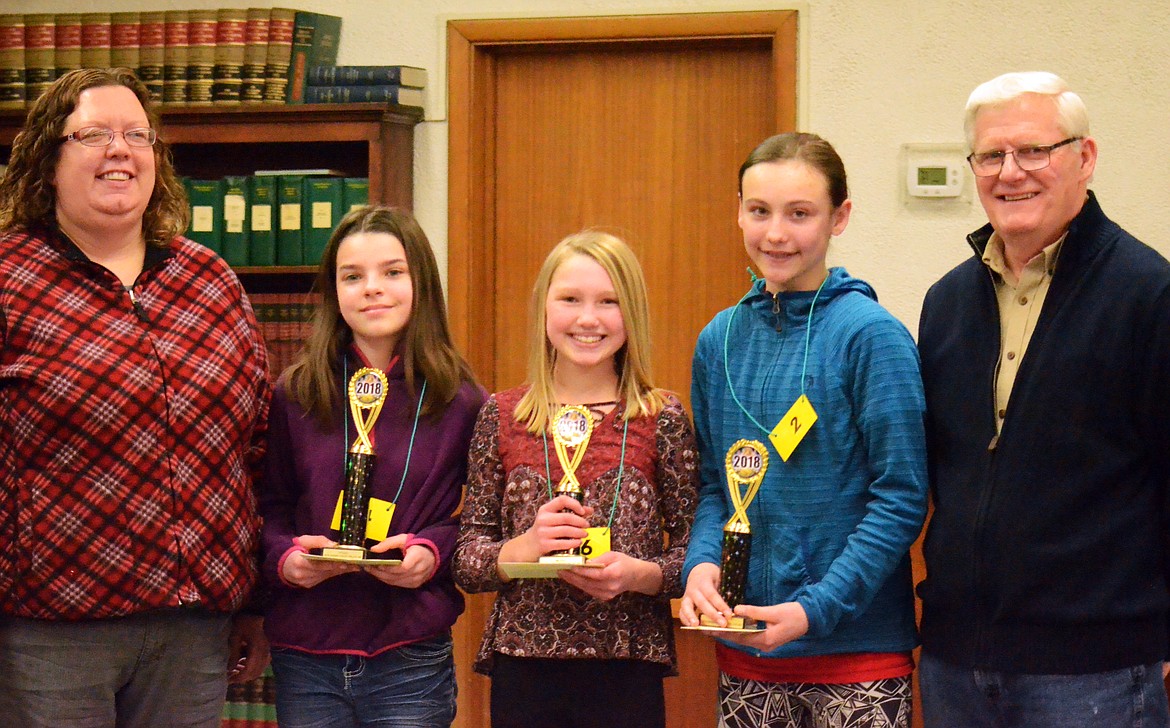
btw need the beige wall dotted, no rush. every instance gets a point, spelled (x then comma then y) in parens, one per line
(874, 74)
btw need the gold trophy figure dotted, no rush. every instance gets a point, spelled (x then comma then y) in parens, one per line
(367, 394)
(572, 428)
(746, 463)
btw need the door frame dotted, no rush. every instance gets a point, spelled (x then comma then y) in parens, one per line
(472, 46)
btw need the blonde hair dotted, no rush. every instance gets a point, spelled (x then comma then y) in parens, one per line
(632, 361)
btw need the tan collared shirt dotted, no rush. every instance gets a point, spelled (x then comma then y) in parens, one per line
(1020, 302)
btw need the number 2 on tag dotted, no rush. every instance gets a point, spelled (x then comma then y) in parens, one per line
(793, 426)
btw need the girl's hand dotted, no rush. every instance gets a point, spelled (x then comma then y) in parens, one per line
(702, 597)
(418, 563)
(786, 622)
(560, 524)
(620, 573)
(302, 572)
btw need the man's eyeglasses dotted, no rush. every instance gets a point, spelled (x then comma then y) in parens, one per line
(1029, 159)
(96, 136)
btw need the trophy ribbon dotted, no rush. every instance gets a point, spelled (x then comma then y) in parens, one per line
(367, 393)
(572, 428)
(747, 461)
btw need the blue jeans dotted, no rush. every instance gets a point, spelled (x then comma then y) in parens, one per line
(952, 696)
(151, 670)
(412, 686)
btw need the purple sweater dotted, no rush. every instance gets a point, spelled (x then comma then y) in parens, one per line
(355, 613)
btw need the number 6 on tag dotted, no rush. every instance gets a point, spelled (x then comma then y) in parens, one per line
(596, 542)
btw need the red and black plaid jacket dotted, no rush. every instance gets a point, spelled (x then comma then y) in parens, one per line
(131, 426)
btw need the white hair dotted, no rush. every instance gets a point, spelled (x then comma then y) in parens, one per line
(1071, 114)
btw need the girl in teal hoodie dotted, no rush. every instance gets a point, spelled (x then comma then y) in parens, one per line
(809, 365)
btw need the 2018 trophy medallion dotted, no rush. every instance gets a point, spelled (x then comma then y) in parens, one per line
(746, 463)
(367, 393)
(571, 429)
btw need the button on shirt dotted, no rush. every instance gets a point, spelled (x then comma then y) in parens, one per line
(1020, 302)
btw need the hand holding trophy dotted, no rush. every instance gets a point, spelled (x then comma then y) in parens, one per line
(367, 393)
(746, 463)
(572, 426)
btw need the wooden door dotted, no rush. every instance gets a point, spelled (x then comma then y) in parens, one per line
(636, 125)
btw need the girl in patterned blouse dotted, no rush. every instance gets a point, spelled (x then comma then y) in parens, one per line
(590, 647)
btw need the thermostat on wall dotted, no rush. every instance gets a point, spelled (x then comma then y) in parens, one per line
(934, 170)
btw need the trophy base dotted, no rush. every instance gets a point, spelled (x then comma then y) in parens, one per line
(343, 553)
(539, 569)
(347, 559)
(565, 559)
(734, 624)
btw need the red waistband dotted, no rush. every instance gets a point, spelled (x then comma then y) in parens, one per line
(836, 669)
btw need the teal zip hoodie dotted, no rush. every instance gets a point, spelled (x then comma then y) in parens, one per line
(832, 526)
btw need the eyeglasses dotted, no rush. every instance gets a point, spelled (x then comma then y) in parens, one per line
(1029, 159)
(97, 136)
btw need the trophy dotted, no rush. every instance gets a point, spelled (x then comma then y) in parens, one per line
(367, 394)
(572, 427)
(746, 462)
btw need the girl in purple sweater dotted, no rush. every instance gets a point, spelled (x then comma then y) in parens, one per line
(360, 644)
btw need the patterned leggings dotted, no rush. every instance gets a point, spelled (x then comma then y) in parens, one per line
(754, 704)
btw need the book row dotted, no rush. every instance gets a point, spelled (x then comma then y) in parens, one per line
(190, 57)
(271, 219)
(285, 321)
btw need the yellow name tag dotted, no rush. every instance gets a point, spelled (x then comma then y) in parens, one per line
(793, 426)
(377, 517)
(596, 542)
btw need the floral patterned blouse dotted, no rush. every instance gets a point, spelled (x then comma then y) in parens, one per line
(508, 482)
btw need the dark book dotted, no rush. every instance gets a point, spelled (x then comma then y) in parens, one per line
(235, 221)
(202, 28)
(12, 68)
(152, 52)
(178, 38)
(280, 36)
(66, 43)
(125, 29)
(323, 206)
(262, 218)
(400, 95)
(255, 56)
(367, 76)
(290, 235)
(229, 55)
(206, 200)
(95, 40)
(40, 33)
(315, 40)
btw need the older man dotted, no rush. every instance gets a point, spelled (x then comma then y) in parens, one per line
(1046, 360)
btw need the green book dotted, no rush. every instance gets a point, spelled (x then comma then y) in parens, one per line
(355, 192)
(323, 197)
(290, 233)
(235, 221)
(206, 199)
(262, 216)
(314, 43)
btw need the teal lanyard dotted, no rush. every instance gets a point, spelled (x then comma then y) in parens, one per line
(621, 469)
(413, 430)
(804, 368)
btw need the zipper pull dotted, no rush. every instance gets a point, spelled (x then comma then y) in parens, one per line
(777, 312)
(993, 444)
(139, 311)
